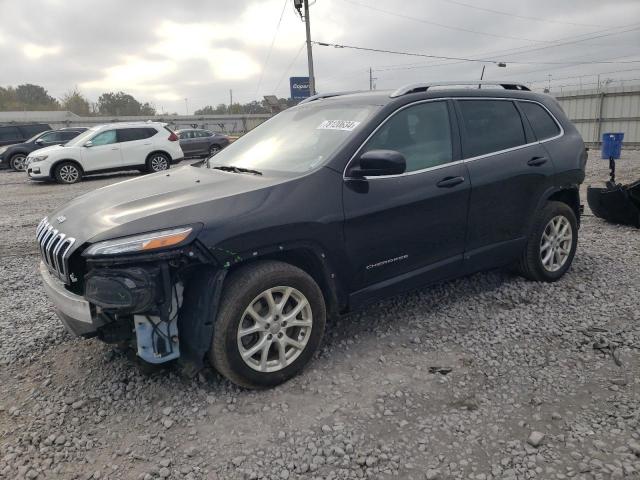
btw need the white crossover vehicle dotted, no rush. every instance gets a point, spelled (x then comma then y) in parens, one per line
(144, 146)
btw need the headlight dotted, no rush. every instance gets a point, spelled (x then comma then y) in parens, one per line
(140, 243)
(38, 158)
(3, 149)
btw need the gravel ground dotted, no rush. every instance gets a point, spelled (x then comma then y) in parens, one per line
(487, 377)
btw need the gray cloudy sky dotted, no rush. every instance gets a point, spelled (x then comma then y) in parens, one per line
(164, 51)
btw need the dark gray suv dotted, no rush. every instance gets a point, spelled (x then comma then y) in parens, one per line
(327, 206)
(196, 142)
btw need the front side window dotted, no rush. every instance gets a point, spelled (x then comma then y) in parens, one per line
(422, 133)
(186, 135)
(296, 140)
(490, 126)
(104, 138)
(543, 125)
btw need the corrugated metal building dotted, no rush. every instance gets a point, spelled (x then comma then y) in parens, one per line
(594, 112)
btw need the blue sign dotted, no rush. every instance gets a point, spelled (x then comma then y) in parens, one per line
(299, 87)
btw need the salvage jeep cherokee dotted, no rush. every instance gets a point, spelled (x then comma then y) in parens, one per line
(339, 201)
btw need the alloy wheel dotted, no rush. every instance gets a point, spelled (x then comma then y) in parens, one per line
(159, 163)
(18, 162)
(274, 329)
(69, 174)
(556, 243)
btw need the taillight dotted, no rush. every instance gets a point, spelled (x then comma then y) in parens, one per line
(173, 137)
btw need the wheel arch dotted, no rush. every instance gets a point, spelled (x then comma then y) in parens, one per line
(154, 152)
(309, 258)
(63, 160)
(569, 196)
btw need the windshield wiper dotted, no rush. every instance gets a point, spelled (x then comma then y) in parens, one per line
(231, 168)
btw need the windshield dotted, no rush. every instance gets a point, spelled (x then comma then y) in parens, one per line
(296, 140)
(80, 139)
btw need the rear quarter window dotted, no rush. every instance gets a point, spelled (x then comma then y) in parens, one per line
(544, 126)
(10, 133)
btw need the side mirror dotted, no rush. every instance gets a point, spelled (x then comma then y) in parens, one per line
(88, 144)
(377, 163)
(39, 141)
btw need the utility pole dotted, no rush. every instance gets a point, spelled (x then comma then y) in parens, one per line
(371, 79)
(307, 21)
(186, 105)
(230, 99)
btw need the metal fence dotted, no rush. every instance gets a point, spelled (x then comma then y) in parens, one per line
(229, 124)
(598, 111)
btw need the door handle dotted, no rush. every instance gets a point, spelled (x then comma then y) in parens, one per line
(449, 182)
(537, 161)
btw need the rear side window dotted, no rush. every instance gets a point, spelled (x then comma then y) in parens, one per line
(544, 126)
(53, 137)
(422, 133)
(132, 134)
(10, 133)
(69, 134)
(490, 126)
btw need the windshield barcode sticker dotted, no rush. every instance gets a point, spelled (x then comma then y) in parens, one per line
(348, 125)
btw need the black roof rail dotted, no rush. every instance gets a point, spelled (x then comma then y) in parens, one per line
(423, 87)
(320, 96)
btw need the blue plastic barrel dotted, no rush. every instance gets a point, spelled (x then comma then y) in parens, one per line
(611, 145)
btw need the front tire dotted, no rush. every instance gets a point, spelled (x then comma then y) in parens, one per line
(18, 162)
(67, 173)
(551, 245)
(158, 162)
(214, 149)
(270, 323)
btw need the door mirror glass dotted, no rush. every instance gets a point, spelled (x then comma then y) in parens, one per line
(39, 141)
(88, 144)
(376, 163)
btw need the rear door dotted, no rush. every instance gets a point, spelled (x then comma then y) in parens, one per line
(409, 229)
(135, 144)
(509, 172)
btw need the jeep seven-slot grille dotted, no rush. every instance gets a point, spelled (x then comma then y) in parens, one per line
(54, 248)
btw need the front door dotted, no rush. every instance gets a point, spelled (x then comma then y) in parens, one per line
(509, 172)
(405, 230)
(104, 152)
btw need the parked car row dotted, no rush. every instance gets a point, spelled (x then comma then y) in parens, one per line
(15, 156)
(68, 154)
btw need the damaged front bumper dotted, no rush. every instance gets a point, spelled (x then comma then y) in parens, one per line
(74, 311)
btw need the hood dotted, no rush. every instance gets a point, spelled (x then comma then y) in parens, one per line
(182, 196)
(47, 150)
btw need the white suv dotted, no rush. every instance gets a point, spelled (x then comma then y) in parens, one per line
(144, 146)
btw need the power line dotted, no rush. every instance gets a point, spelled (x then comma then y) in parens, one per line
(288, 69)
(463, 59)
(273, 41)
(441, 25)
(524, 17)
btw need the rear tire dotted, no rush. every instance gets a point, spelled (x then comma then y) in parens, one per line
(283, 331)
(17, 162)
(158, 162)
(67, 173)
(551, 245)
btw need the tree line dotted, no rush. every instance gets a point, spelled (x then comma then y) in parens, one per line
(32, 97)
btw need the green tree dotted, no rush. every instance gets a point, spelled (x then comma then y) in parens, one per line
(147, 109)
(118, 104)
(75, 102)
(35, 97)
